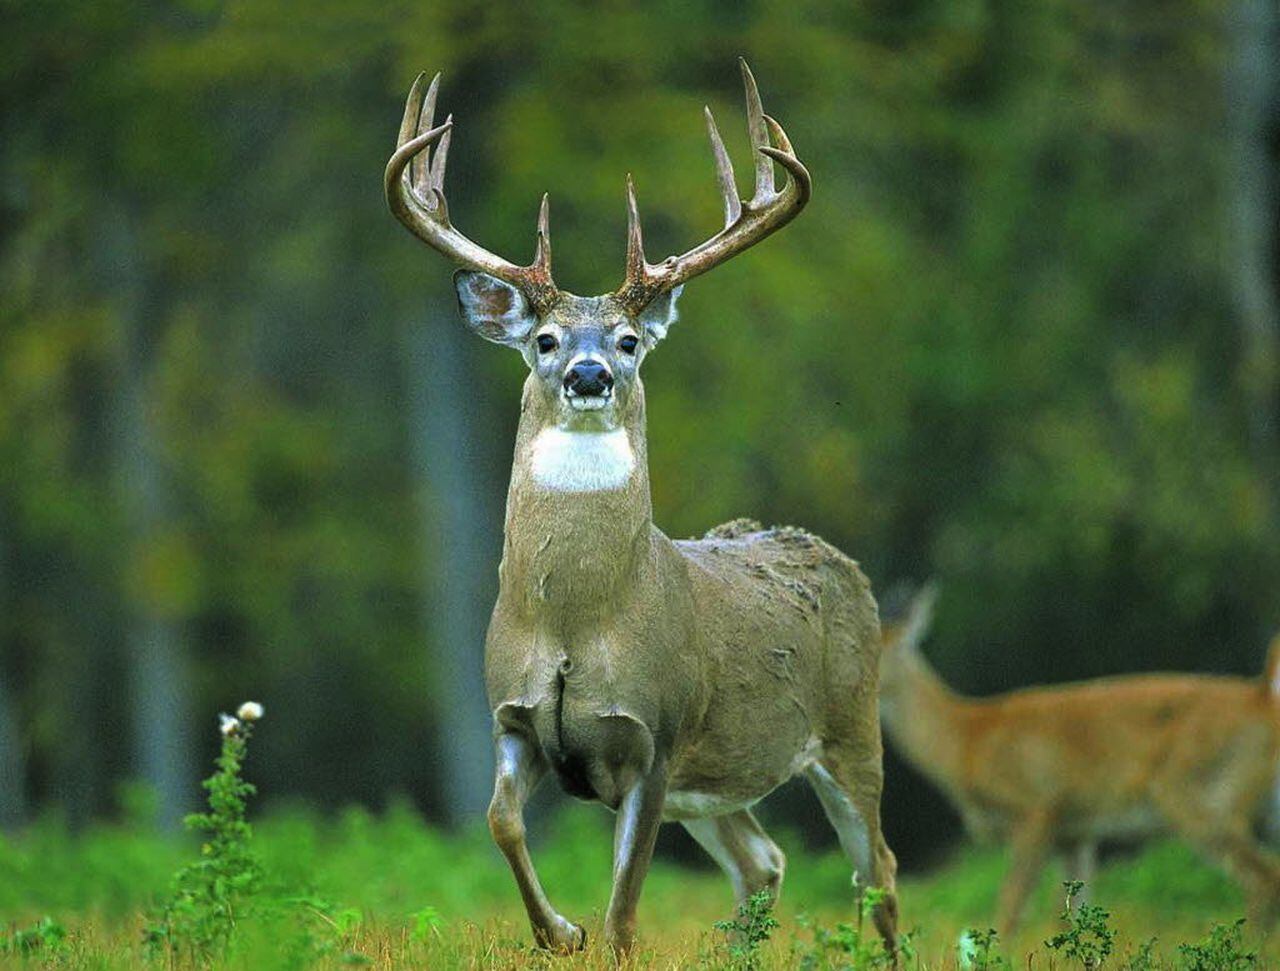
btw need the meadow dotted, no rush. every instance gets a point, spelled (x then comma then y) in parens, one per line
(387, 890)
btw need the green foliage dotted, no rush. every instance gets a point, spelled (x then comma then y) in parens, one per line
(426, 924)
(852, 946)
(1222, 950)
(1088, 937)
(43, 939)
(1142, 957)
(979, 950)
(211, 894)
(748, 930)
(369, 876)
(226, 888)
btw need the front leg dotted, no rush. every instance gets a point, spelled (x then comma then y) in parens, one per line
(520, 768)
(635, 833)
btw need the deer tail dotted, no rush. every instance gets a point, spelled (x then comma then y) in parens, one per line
(1272, 670)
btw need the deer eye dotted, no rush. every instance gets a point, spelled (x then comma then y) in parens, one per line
(628, 344)
(546, 344)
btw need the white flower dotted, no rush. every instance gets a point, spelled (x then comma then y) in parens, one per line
(228, 725)
(250, 711)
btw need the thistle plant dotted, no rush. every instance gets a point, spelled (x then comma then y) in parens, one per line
(979, 950)
(1222, 950)
(211, 894)
(749, 929)
(1088, 937)
(854, 945)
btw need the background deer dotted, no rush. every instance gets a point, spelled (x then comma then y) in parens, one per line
(1059, 769)
(668, 679)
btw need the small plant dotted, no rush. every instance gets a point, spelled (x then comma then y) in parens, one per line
(979, 950)
(749, 929)
(1143, 958)
(45, 937)
(1088, 937)
(851, 945)
(211, 894)
(1222, 950)
(426, 924)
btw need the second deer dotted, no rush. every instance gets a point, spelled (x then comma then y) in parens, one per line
(1057, 770)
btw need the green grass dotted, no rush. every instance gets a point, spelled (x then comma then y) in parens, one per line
(368, 881)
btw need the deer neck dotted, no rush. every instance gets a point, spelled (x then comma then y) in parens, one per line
(923, 717)
(578, 532)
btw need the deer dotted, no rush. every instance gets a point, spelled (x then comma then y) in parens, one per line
(676, 680)
(1057, 770)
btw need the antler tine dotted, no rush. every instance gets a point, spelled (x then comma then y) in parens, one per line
(439, 159)
(785, 156)
(418, 169)
(542, 250)
(759, 134)
(635, 237)
(746, 222)
(414, 188)
(724, 173)
(412, 110)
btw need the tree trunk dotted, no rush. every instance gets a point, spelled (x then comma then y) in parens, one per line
(160, 717)
(460, 489)
(13, 766)
(1251, 115)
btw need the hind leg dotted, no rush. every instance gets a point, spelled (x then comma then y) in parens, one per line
(744, 851)
(1228, 841)
(1080, 862)
(848, 786)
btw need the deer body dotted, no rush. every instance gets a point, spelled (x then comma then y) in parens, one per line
(712, 654)
(679, 680)
(1060, 769)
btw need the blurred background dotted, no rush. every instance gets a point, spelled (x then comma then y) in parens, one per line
(1024, 340)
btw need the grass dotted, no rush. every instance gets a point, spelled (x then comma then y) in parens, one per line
(302, 890)
(395, 893)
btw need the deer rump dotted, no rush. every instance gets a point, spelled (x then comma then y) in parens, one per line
(783, 623)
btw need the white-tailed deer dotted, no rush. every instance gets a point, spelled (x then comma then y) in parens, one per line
(1059, 769)
(677, 680)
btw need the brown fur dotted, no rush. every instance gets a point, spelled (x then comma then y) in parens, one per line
(1058, 769)
(713, 665)
(677, 679)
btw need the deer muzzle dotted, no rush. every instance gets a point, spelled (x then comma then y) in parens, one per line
(588, 384)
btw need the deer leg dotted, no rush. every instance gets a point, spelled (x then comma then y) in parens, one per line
(744, 851)
(1082, 864)
(520, 768)
(1031, 845)
(1234, 848)
(635, 832)
(850, 796)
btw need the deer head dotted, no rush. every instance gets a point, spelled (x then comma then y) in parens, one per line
(584, 353)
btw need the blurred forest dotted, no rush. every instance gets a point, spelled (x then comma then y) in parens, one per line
(1024, 339)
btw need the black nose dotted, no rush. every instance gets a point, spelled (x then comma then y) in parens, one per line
(588, 378)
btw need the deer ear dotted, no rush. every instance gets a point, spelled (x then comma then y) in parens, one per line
(659, 315)
(495, 310)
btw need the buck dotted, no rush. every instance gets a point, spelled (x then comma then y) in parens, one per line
(1057, 770)
(677, 680)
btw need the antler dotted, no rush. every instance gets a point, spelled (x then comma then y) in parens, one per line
(746, 222)
(416, 196)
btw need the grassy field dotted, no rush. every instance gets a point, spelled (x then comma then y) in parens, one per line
(389, 891)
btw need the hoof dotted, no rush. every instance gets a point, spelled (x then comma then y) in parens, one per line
(564, 937)
(621, 942)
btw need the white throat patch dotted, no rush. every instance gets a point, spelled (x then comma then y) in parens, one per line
(582, 461)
